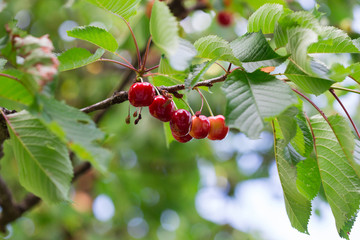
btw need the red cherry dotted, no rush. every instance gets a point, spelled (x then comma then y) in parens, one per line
(141, 94)
(180, 122)
(218, 129)
(200, 127)
(182, 139)
(162, 108)
(224, 18)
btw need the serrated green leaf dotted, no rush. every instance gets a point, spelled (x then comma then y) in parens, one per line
(340, 182)
(95, 35)
(355, 162)
(123, 8)
(291, 21)
(287, 124)
(299, 40)
(252, 97)
(254, 51)
(78, 57)
(43, 160)
(333, 40)
(308, 179)
(197, 73)
(298, 208)
(265, 18)
(167, 80)
(165, 67)
(338, 72)
(303, 141)
(14, 90)
(184, 54)
(355, 72)
(164, 28)
(310, 84)
(81, 134)
(214, 47)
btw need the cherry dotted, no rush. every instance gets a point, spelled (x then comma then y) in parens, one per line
(180, 122)
(200, 127)
(182, 139)
(224, 18)
(141, 94)
(162, 108)
(218, 129)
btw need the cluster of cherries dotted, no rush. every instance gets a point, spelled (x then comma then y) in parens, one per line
(184, 127)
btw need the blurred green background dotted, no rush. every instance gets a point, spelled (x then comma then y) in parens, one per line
(184, 191)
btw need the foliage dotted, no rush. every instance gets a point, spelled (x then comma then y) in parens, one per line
(317, 155)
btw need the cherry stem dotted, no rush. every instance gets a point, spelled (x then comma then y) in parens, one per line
(117, 62)
(202, 99)
(207, 104)
(152, 68)
(192, 112)
(151, 74)
(135, 42)
(157, 91)
(241, 68)
(332, 91)
(124, 59)
(146, 54)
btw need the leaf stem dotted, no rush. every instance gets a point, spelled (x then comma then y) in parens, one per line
(117, 62)
(346, 89)
(11, 77)
(229, 68)
(220, 66)
(206, 102)
(332, 91)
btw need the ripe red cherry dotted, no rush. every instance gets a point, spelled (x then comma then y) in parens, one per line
(162, 108)
(141, 94)
(180, 122)
(218, 129)
(224, 18)
(182, 139)
(200, 127)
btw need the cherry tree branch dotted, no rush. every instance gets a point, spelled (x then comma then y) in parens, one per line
(122, 96)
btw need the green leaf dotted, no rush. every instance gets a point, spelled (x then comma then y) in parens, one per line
(164, 28)
(165, 67)
(197, 73)
(298, 207)
(308, 179)
(166, 80)
(14, 90)
(43, 160)
(355, 162)
(95, 35)
(252, 97)
(333, 40)
(123, 8)
(303, 140)
(254, 51)
(265, 18)
(214, 47)
(310, 84)
(287, 124)
(355, 72)
(340, 182)
(296, 20)
(77, 130)
(78, 57)
(183, 56)
(168, 136)
(299, 40)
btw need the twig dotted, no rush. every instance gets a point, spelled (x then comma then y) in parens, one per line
(116, 98)
(346, 112)
(152, 68)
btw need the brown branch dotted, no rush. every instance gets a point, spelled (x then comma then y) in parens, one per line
(122, 96)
